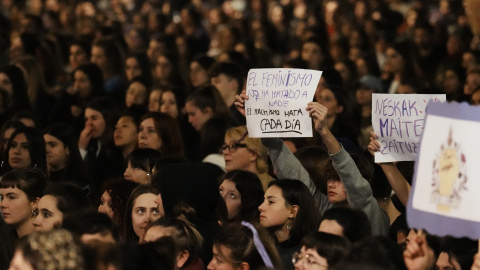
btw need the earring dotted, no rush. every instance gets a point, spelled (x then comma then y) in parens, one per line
(36, 164)
(289, 225)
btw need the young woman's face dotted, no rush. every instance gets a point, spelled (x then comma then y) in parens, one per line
(233, 198)
(196, 116)
(168, 104)
(327, 99)
(148, 136)
(336, 191)
(48, 217)
(221, 259)
(132, 68)
(394, 60)
(77, 56)
(241, 159)
(15, 206)
(57, 153)
(82, 84)
(136, 94)
(451, 82)
(99, 58)
(308, 258)
(312, 54)
(19, 153)
(163, 68)
(6, 83)
(95, 121)
(136, 174)
(274, 210)
(145, 211)
(106, 204)
(198, 75)
(154, 101)
(125, 133)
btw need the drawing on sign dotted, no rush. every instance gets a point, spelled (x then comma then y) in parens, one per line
(449, 175)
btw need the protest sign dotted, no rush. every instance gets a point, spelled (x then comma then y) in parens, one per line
(445, 192)
(277, 101)
(398, 121)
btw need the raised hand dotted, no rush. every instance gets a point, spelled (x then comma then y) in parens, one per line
(374, 145)
(319, 114)
(85, 137)
(240, 102)
(418, 255)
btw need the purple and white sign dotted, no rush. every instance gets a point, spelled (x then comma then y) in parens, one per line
(445, 189)
(398, 120)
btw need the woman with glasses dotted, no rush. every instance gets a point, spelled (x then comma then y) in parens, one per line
(244, 153)
(320, 251)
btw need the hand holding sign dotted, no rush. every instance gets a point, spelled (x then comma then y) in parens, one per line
(240, 102)
(319, 114)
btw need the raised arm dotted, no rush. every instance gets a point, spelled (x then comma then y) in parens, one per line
(396, 179)
(359, 192)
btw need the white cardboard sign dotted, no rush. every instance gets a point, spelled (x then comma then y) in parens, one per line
(277, 101)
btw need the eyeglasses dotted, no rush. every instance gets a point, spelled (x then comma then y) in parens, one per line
(298, 256)
(232, 147)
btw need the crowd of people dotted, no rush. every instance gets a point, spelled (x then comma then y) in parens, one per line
(124, 143)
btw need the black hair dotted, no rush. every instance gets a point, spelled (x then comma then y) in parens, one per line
(108, 108)
(307, 219)
(90, 222)
(231, 70)
(36, 149)
(143, 158)
(251, 191)
(70, 197)
(354, 222)
(32, 182)
(332, 247)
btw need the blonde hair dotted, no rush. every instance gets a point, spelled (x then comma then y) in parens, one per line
(253, 144)
(55, 250)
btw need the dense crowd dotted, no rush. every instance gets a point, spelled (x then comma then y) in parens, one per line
(124, 143)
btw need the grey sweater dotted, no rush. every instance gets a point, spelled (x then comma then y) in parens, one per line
(359, 192)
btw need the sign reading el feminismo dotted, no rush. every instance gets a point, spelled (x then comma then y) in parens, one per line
(398, 120)
(277, 101)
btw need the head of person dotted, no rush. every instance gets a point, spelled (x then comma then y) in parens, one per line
(137, 65)
(172, 102)
(90, 226)
(11, 77)
(366, 86)
(113, 201)
(335, 99)
(7, 129)
(125, 135)
(322, 250)
(243, 193)
(288, 206)
(79, 53)
(161, 132)
(244, 153)
(187, 239)
(59, 200)
(453, 80)
(26, 148)
(140, 165)
(101, 115)
(56, 249)
(312, 159)
(203, 104)
(456, 253)
(138, 92)
(61, 146)
(244, 246)
(154, 99)
(227, 77)
(199, 67)
(313, 52)
(28, 118)
(166, 68)
(347, 222)
(398, 57)
(142, 209)
(472, 82)
(106, 54)
(20, 191)
(87, 81)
